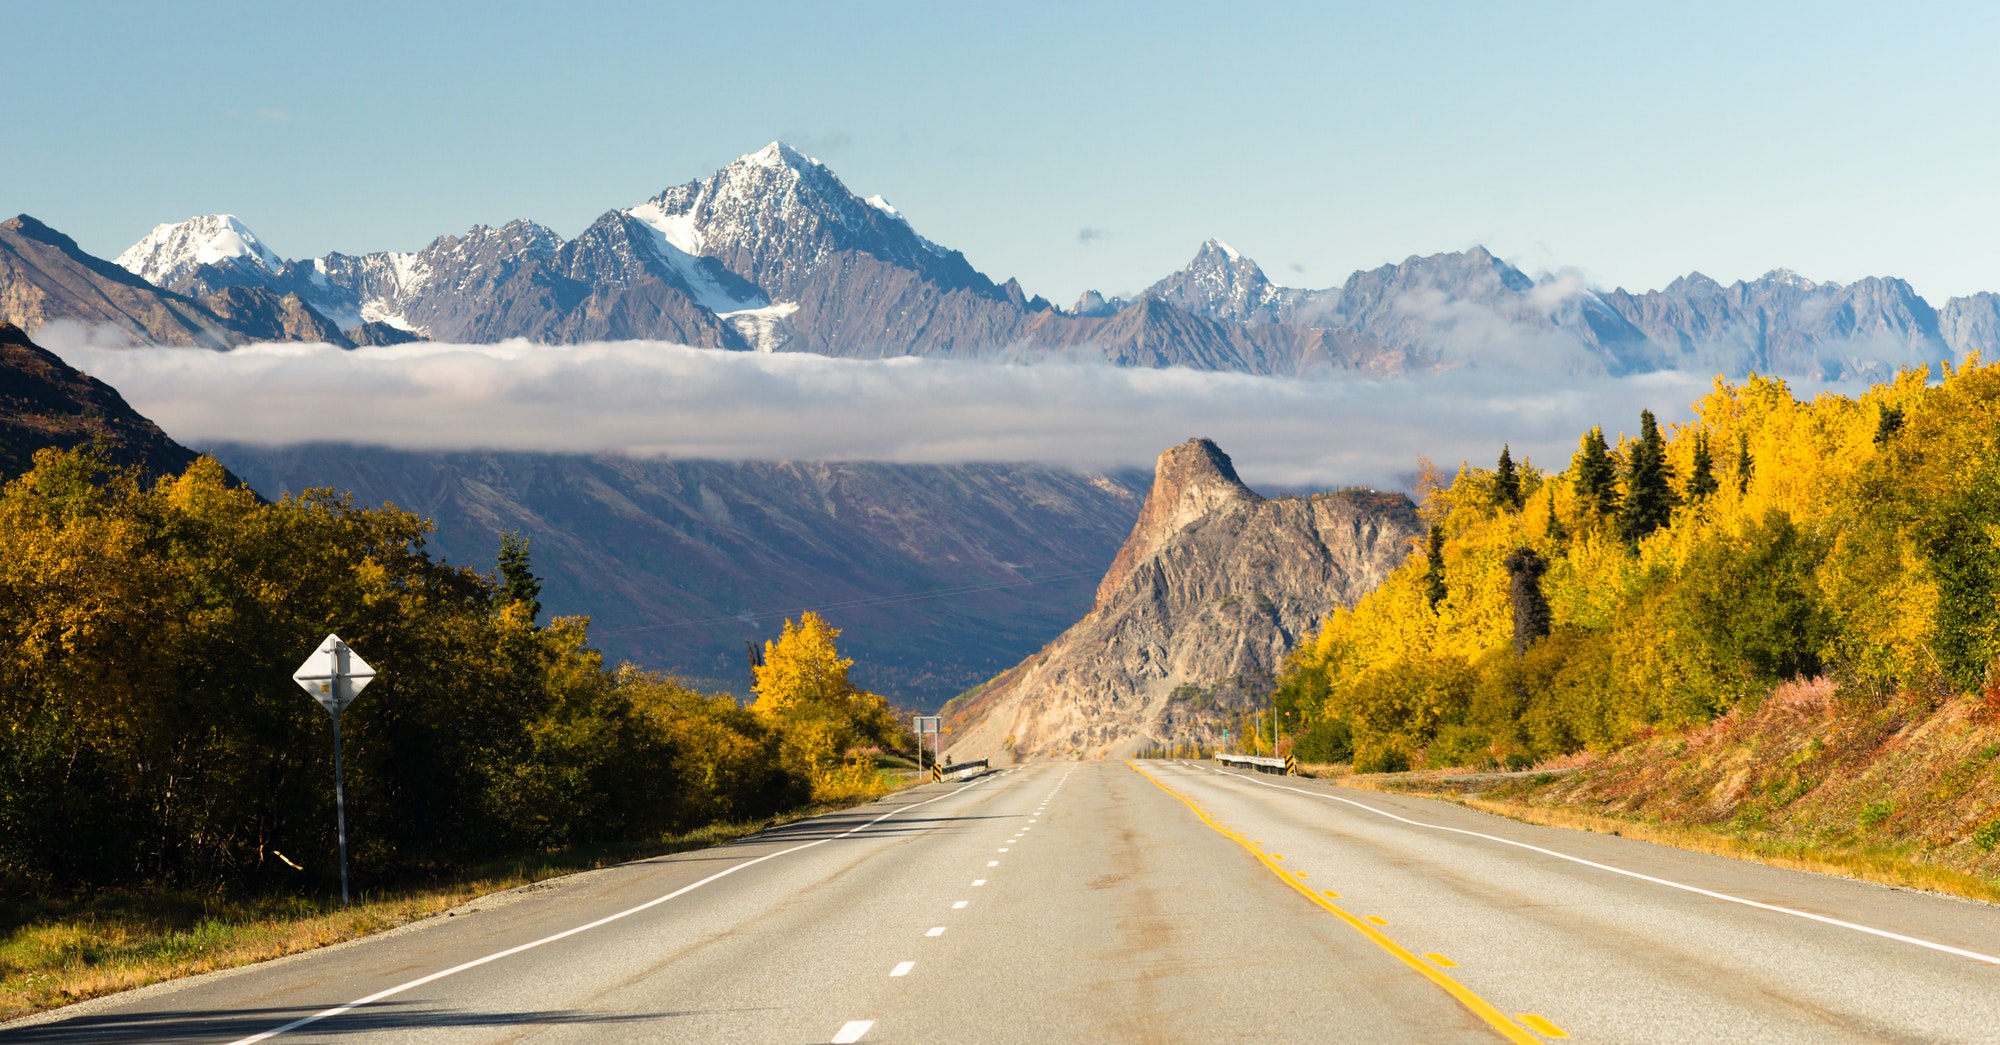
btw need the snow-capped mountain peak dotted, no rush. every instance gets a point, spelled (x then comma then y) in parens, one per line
(171, 252)
(1225, 249)
(778, 154)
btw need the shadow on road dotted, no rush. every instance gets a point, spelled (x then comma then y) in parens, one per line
(165, 1026)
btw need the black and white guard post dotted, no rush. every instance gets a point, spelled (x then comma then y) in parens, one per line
(334, 675)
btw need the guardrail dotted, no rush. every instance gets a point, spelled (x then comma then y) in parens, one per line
(939, 772)
(1285, 765)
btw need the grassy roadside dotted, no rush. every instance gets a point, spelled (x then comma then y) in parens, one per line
(1900, 865)
(56, 952)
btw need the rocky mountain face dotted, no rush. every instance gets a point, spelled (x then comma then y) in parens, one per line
(942, 576)
(45, 402)
(1783, 323)
(774, 253)
(46, 278)
(1211, 589)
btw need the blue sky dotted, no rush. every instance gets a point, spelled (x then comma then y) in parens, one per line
(1632, 143)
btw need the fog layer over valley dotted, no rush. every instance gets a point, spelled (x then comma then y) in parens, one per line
(650, 399)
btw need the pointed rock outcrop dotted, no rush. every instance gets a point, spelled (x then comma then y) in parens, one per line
(1212, 588)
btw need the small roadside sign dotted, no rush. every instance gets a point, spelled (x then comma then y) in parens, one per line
(334, 675)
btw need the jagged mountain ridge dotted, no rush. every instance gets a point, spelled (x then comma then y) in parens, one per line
(774, 253)
(46, 278)
(1214, 585)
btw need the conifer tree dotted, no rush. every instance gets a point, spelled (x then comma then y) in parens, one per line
(517, 582)
(1434, 589)
(1744, 465)
(1887, 423)
(1701, 473)
(1507, 482)
(1649, 491)
(1557, 533)
(1596, 478)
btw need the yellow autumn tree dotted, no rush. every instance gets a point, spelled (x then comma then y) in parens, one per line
(826, 722)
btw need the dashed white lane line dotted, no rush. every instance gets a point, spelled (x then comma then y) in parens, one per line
(606, 920)
(992, 863)
(1668, 882)
(902, 968)
(1003, 848)
(960, 905)
(936, 930)
(978, 882)
(851, 1031)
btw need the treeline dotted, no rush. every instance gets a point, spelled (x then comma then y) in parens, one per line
(1663, 581)
(150, 731)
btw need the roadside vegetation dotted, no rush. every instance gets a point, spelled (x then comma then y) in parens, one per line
(166, 790)
(1779, 622)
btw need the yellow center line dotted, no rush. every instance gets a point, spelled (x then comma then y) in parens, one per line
(1480, 1007)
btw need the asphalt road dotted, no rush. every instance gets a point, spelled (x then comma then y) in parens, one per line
(1102, 902)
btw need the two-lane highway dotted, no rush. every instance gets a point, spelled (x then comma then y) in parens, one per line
(1158, 901)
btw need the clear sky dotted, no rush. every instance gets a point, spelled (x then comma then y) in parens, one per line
(1072, 145)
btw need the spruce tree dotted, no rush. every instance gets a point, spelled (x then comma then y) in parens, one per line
(1434, 589)
(517, 582)
(1507, 482)
(1596, 478)
(1744, 465)
(1887, 424)
(1649, 491)
(1557, 533)
(1701, 474)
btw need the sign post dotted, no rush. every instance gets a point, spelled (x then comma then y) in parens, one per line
(334, 675)
(926, 724)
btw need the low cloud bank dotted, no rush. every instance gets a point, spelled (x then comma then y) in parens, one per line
(652, 398)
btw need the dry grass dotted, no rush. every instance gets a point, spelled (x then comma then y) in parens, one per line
(1883, 866)
(1903, 791)
(55, 952)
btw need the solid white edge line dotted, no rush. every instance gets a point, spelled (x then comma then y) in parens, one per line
(606, 920)
(1669, 883)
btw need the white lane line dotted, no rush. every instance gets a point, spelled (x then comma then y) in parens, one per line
(902, 968)
(936, 930)
(992, 863)
(1668, 882)
(851, 1031)
(959, 905)
(606, 920)
(1003, 848)
(978, 881)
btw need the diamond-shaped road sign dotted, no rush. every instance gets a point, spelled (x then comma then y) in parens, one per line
(334, 675)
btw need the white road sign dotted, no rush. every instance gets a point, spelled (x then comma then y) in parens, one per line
(334, 675)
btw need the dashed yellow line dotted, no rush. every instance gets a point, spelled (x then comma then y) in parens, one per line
(1480, 1007)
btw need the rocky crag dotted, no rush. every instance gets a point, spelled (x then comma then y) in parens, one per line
(1211, 590)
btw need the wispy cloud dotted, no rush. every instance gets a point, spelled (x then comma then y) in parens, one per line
(650, 398)
(1088, 236)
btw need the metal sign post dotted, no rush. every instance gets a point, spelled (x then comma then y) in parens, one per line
(926, 724)
(334, 675)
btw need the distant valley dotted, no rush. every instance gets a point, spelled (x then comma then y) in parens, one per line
(943, 576)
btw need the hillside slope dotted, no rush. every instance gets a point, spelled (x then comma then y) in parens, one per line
(941, 575)
(45, 402)
(1211, 589)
